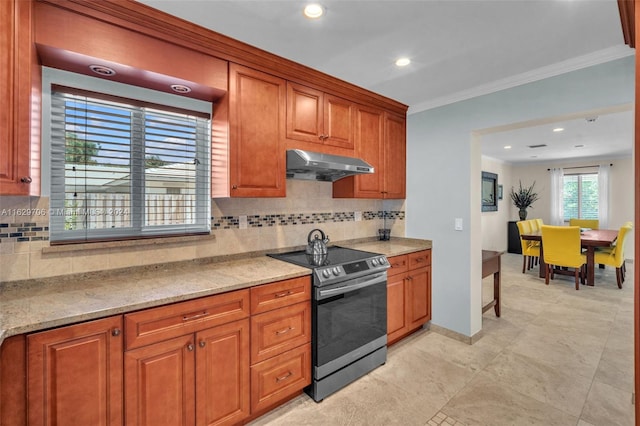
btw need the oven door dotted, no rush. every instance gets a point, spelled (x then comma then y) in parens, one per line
(350, 322)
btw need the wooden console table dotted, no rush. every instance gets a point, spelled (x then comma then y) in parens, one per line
(491, 265)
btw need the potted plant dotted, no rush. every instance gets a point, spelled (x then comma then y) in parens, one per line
(523, 198)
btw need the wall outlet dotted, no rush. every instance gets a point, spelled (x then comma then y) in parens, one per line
(358, 216)
(458, 224)
(243, 221)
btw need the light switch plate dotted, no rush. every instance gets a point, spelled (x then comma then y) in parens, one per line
(458, 224)
(357, 216)
(243, 221)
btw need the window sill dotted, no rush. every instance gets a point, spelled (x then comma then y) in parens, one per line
(102, 245)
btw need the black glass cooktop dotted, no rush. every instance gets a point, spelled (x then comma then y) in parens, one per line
(335, 256)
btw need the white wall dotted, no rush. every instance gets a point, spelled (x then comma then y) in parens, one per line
(443, 173)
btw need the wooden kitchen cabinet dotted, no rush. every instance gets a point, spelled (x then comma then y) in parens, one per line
(19, 101)
(408, 294)
(395, 158)
(280, 342)
(319, 117)
(200, 376)
(75, 374)
(256, 133)
(381, 142)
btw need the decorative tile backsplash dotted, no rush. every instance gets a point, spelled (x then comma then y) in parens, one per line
(266, 220)
(39, 231)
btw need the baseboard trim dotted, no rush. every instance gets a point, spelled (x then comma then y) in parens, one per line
(469, 340)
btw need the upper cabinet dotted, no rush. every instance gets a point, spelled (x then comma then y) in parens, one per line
(380, 141)
(318, 117)
(19, 101)
(256, 132)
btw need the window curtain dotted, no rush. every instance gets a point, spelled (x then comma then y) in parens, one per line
(556, 213)
(603, 195)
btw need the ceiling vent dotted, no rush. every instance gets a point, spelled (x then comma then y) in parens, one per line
(537, 146)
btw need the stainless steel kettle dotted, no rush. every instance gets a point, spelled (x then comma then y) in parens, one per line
(317, 247)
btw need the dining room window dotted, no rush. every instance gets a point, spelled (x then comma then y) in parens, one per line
(580, 196)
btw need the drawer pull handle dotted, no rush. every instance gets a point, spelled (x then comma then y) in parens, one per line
(283, 294)
(285, 377)
(195, 316)
(283, 331)
(420, 260)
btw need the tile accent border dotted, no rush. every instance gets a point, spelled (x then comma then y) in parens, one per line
(37, 231)
(288, 219)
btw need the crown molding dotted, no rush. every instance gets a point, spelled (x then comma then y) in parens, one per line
(573, 64)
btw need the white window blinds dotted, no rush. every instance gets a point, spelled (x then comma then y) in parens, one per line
(580, 196)
(123, 169)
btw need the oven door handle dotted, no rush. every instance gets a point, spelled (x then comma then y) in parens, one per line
(355, 284)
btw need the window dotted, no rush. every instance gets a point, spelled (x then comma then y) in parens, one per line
(123, 168)
(580, 196)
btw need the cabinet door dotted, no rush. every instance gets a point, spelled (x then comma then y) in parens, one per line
(369, 134)
(419, 290)
(222, 374)
(397, 315)
(256, 132)
(159, 383)
(19, 76)
(339, 115)
(395, 157)
(304, 113)
(75, 374)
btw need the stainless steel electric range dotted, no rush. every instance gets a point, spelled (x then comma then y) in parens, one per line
(349, 317)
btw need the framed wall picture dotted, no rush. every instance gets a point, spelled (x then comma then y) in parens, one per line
(499, 192)
(489, 192)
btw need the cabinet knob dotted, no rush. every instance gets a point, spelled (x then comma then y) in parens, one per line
(26, 179)
(115, 332)
(202, 343)
(234, 186)
(190, 347)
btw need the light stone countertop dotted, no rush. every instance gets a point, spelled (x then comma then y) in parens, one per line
(34, 305)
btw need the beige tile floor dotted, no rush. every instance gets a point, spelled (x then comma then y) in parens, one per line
(556, 356)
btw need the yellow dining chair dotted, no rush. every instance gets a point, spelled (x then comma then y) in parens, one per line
(529, 252)
(615, 256)
(585, 223)
(561, 246)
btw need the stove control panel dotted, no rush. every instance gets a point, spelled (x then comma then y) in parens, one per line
(334, 273)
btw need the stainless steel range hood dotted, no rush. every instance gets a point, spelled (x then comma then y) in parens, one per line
(309, 165)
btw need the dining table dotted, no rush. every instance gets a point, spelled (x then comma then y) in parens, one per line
(589, 239)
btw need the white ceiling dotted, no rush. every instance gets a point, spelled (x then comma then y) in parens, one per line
(459, 49)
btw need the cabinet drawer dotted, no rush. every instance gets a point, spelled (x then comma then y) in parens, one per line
(280, 377)
(399, 264)
(419, 259)
(282, 293)
(275, 332)
(157, 324)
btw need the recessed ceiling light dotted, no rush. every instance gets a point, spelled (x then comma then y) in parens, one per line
(403, 62)
(313, 11)
(558, 129)
(180, 88)
(102, 70)
(507, 147)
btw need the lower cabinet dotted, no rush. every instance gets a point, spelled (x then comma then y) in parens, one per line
(280, 342)
(201, 379)
(201, 376)
(217, 360)
(75, 374)
(408, 294)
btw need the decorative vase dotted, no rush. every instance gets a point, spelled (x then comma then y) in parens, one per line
(523, 213)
